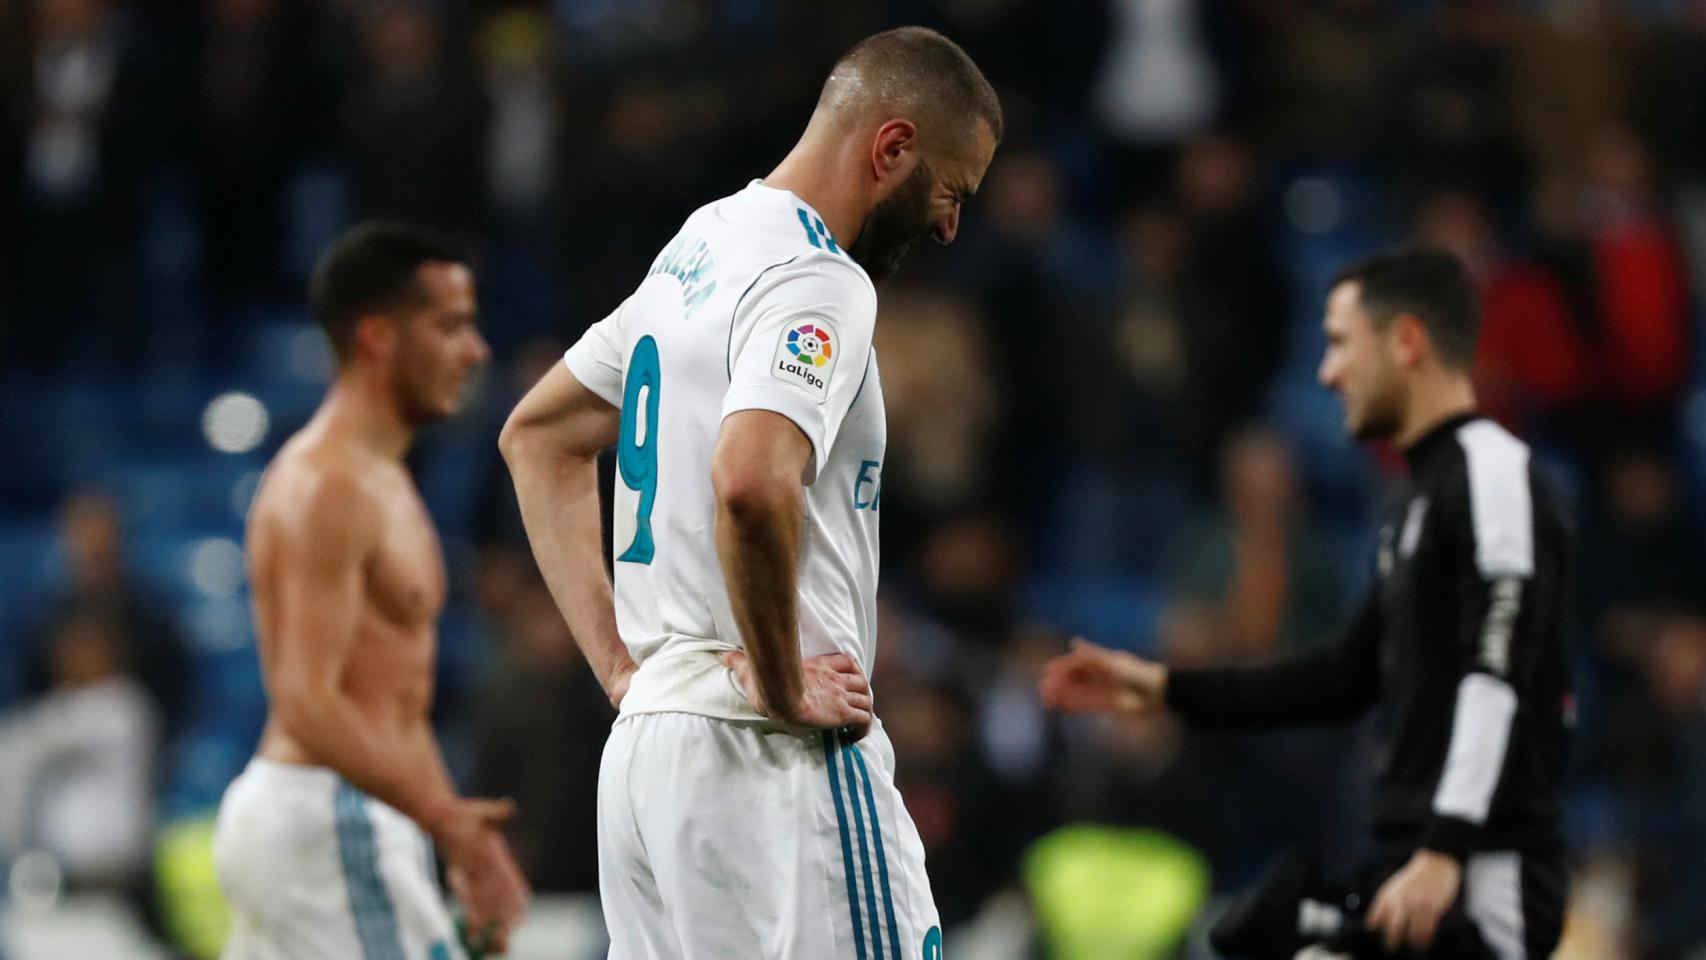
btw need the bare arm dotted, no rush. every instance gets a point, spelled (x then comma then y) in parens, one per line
(551, 443)
(755, 473)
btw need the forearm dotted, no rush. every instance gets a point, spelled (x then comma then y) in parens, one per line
(1302, 690)
(1334, 684)
(558, 494)
(758, 542)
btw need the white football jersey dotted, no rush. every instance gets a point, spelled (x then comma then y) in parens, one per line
(752, 306)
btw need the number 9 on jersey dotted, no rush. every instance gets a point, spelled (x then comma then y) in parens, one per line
(637, 448)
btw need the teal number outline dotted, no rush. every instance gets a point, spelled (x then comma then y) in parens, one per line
(638, 463)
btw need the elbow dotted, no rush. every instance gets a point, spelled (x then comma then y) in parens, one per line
(513, 439)
(748, 497)
(525, 440)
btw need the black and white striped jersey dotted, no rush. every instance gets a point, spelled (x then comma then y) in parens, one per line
(1461, 642)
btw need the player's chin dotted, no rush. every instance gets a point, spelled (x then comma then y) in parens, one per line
(1353, 422)
(439, 407)
(451, 401)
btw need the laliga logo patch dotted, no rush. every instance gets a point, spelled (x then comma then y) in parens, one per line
(811, 343)
(806, 356)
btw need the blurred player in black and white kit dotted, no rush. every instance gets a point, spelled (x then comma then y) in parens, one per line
(1461, 640)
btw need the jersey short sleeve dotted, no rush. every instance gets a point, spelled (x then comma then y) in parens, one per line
(596, 358)
(800, 346)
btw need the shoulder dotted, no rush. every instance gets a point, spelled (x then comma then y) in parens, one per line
(1491, 484)
(816, 281)
(322, 499)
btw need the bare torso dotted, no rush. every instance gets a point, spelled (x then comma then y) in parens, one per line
(388, 672)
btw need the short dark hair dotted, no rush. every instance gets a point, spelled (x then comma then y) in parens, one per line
(1430, 285)
(372, 267)
(918, 67)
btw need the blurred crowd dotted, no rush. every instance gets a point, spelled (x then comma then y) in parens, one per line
(1101, 400)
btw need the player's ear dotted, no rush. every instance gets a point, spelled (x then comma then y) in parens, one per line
(375, 335)
(1409, 339)
(894, 152)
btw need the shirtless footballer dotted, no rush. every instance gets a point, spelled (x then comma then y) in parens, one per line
(324, 844)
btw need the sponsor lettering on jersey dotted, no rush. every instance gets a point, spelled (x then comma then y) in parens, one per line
(688, 260)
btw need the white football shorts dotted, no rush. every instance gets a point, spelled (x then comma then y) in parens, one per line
(314, 869)
(723, 839)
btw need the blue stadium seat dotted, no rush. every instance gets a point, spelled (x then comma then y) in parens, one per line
(71, 428)
(30, 558)
(1112, 522)
(31, 567)
(205, 492)
(166, 562)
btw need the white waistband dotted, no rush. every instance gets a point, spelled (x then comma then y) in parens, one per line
(688, 676)
(300, 775)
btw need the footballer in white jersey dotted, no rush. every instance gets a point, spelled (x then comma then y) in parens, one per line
(752, 306)
(747, 805)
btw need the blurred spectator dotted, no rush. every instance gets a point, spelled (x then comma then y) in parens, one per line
(940, 396)
(1193, 335)
(1675, 102)
(1230, 300)
(252, 125)
(14, 76)
(521, 281)
(82, 124)
(945, 780)
(79, 761)
(1449, 108)
(1643, 549)
(1638, 266)
(967, 574)
(1018, 737)
(1124, 417)
(1533, 355)
(1269, 577)
(521, 144)
(1045, 66)
(1643, 586)
(410, 124)
(539, 726)
(1024, 261)
(1322, 74)
(1664, 805)
(1572, 70)
(151, 647)
(1159, 86)
(636, 154)
(497, 516)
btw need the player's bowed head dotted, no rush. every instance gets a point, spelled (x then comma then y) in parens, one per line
(903, 132)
